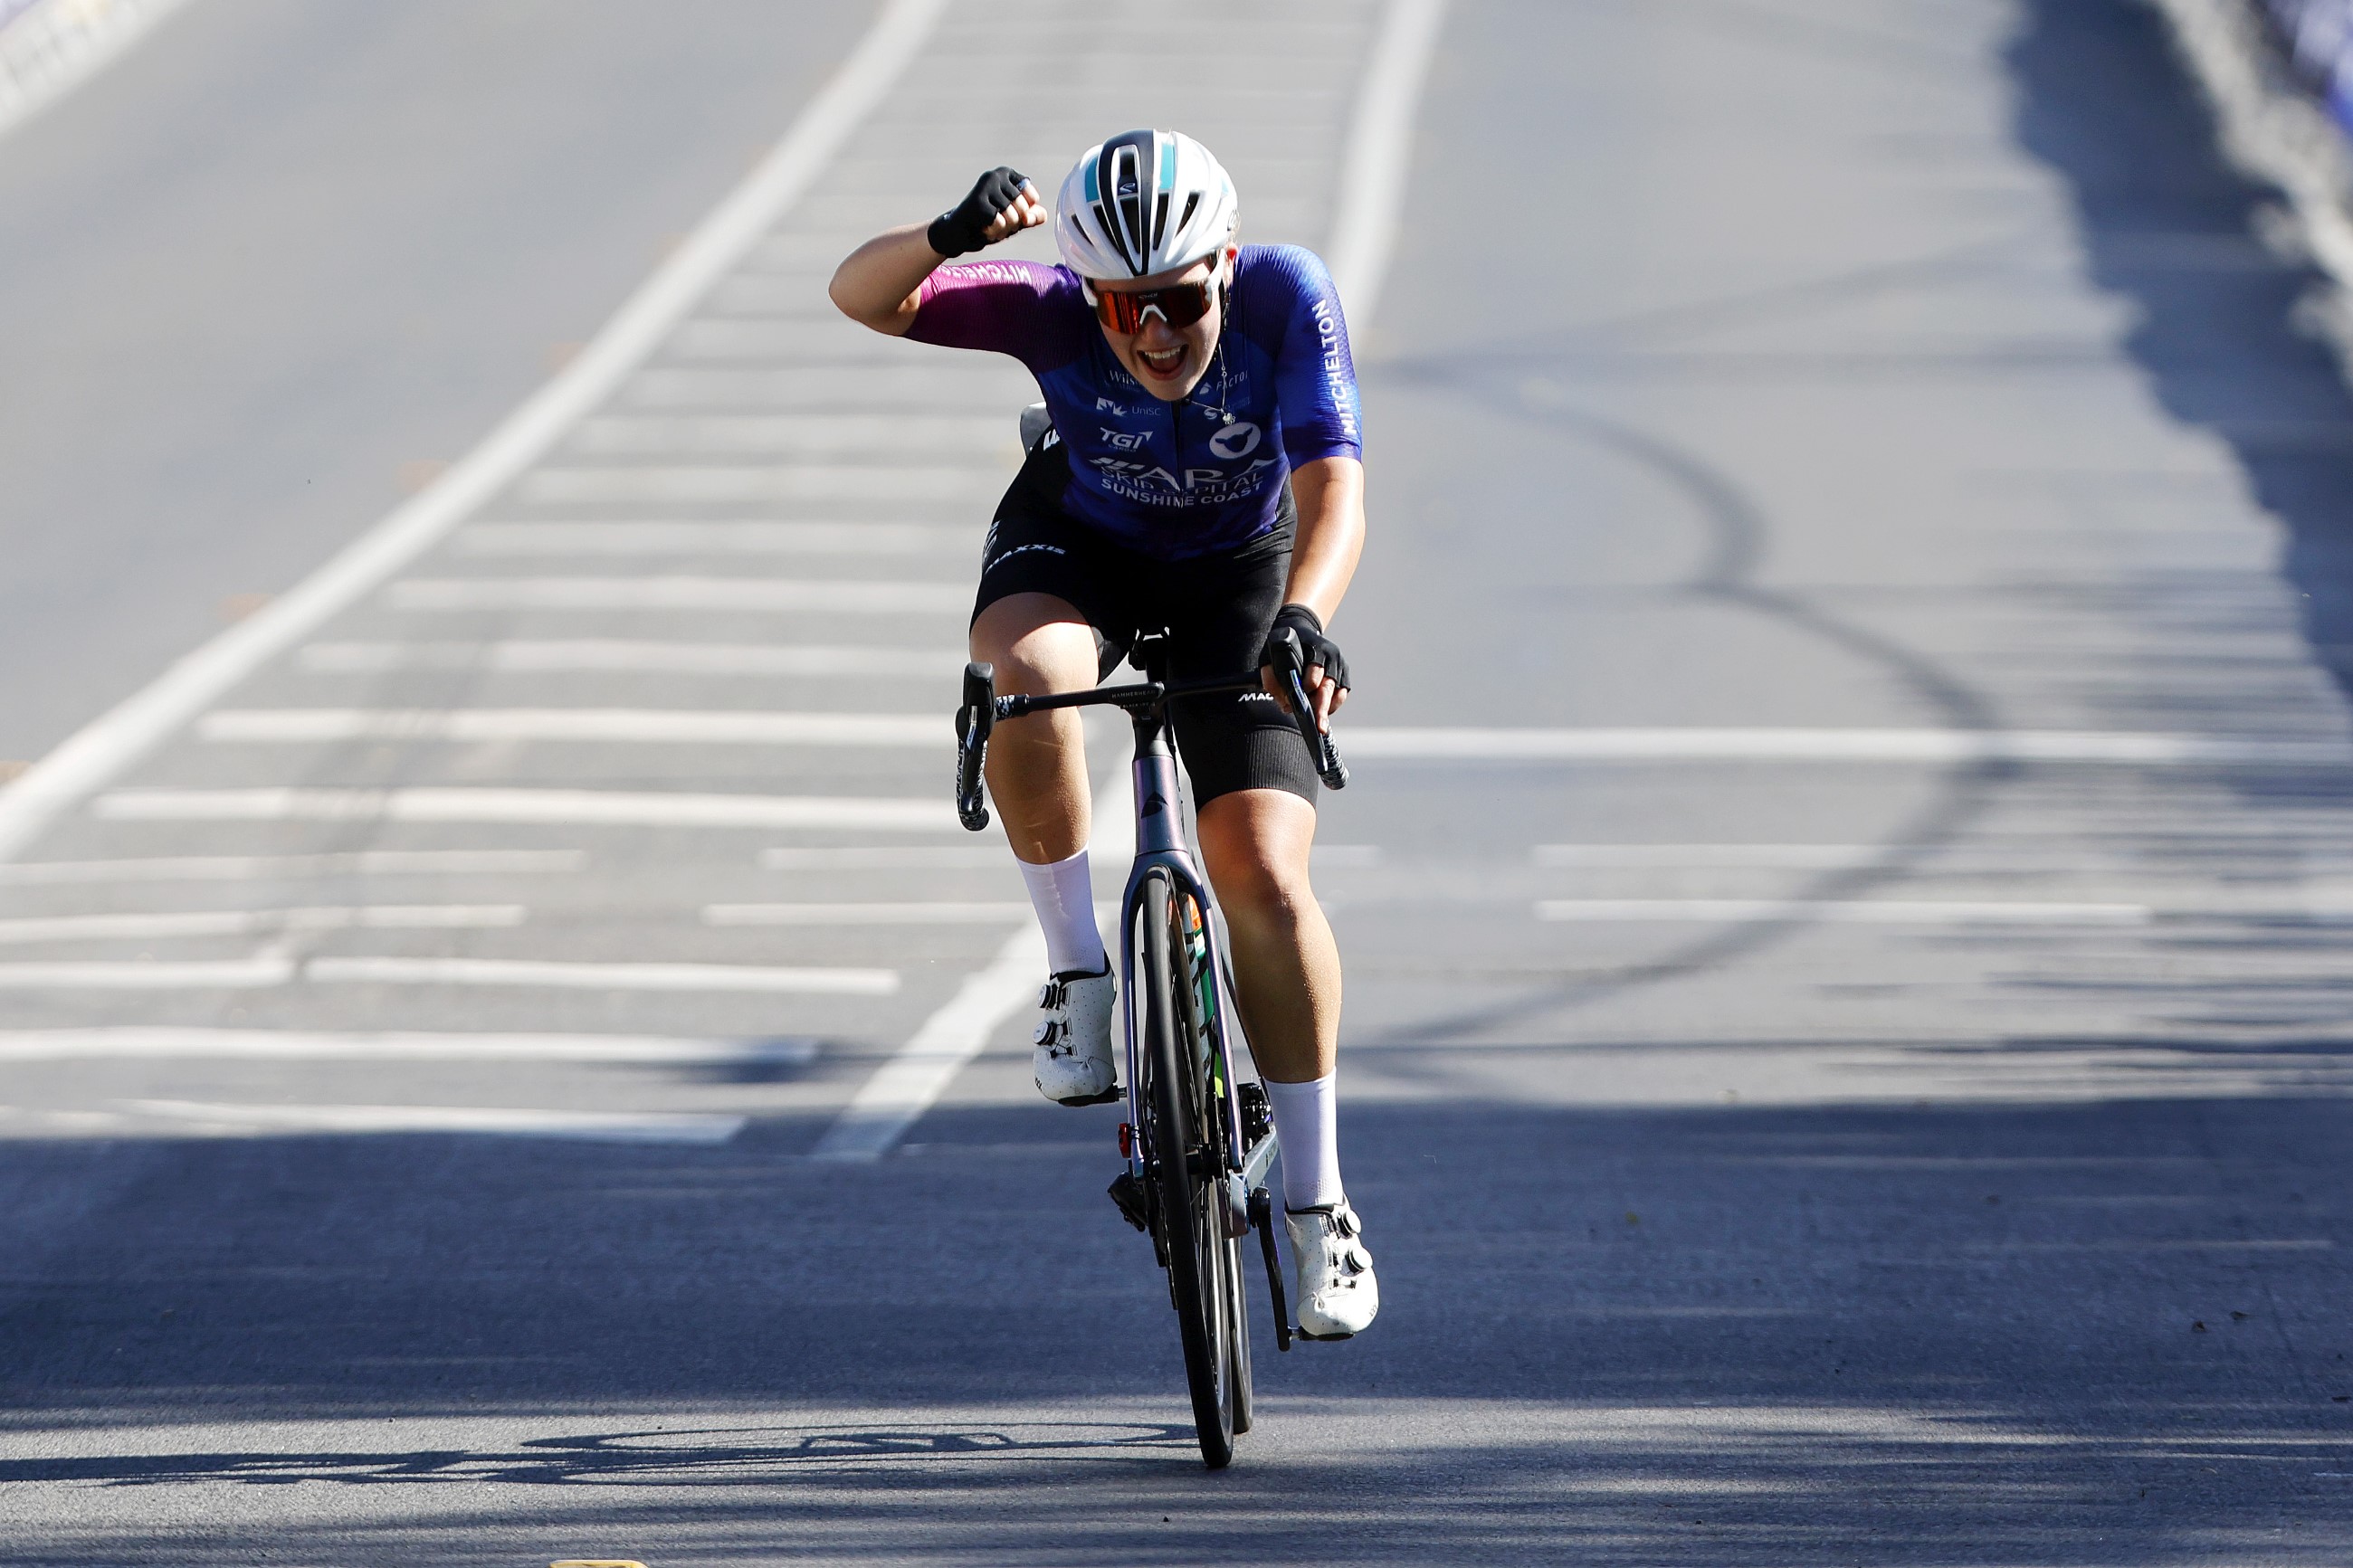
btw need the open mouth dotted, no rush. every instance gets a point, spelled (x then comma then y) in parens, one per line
(1165, 364)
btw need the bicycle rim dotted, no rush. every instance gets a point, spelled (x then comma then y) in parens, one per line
(1189, 1179)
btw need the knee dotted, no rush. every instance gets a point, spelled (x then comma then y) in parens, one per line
(1262, 890)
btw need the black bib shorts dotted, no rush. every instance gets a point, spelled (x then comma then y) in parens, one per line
(1216, 609)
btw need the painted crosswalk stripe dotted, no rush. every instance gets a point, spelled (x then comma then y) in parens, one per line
(751, 538)
(1851, 911)
(564, 807)
(748, 593)
(158, 924)
(594, 1126)
(588, 976)
(616, 656)
(18, 1045)
(1928, 746)
(995, 913)
(655, 726)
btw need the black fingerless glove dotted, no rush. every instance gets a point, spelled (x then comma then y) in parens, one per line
(961, 229)
(1316, 651)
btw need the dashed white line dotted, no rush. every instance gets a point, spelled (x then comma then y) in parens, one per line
(746, 593)
(555, 807)
(543, 539)
(595, 1126)
(243, 923)
(996, 912)
(655, 726)
(614, 656)
(255, 867)
(588, 976)
(886, 858)
(1930, 746)
(18, 1045)
(645, 484)
(259, 973)
(1794, 856)
(1851, 911)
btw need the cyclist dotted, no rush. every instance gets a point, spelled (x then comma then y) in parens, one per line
(1202, 473)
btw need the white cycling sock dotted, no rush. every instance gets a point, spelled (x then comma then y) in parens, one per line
(1307, 1126)
(1063, 894)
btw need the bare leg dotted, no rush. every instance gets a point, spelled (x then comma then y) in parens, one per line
(1254, 843)
(1037, 765)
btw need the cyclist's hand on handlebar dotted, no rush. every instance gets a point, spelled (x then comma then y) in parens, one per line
(1324, 669)
(1002, 204)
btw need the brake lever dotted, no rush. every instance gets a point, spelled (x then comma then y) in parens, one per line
(975, 720)
(1328, 766)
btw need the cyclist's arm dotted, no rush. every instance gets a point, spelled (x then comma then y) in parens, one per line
(1330, 495)
(878, 285)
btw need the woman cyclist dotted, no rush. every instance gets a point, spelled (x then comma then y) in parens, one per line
(1202, 474)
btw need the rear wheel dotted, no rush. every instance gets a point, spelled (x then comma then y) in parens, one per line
(1190, 1178)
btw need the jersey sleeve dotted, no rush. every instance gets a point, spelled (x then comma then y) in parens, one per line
(1314, 378)
(1016, 308)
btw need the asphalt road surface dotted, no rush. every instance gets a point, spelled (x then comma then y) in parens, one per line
(1847, 888)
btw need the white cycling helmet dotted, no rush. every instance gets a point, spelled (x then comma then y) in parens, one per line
(1143, 202)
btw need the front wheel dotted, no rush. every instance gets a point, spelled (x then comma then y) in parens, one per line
(1188, 1174)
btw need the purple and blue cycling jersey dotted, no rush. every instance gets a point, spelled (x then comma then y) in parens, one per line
(1171, 480)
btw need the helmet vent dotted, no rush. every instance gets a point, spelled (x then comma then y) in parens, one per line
(1191, 203)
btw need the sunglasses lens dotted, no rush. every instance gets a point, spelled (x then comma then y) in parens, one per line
(1181, 304)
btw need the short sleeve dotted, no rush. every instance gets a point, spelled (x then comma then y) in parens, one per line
(1016, 308)
(1314, 377)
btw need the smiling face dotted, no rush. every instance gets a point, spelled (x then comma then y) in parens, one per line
(1169, 362)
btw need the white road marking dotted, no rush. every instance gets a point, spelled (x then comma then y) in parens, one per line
(251, 868)
(1841, 746)
(874, 858)
(919, 1072)
(657, 726)
(595, 1126)
(54, 48)
(776, 437)
(541, 539)
(102, 750)
(584, 976)
(243, 923)
(1795, 857)
(746, 593)
(19, 1045)
(637, 484)
(620, 657)
(1843, 911)
(259, 973)
(1380, 154)
(934, 913)
(566, 808)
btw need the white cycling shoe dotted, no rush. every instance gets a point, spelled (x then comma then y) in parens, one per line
(1338, 1295)
(1072, 1063)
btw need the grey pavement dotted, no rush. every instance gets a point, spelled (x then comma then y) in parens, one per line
(1770, 1159)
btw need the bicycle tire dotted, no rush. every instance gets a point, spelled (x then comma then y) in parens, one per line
(1188, 1179)
(1200, 1001)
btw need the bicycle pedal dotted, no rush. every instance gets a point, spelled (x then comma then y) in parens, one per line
(1105, 1098)
(1128, 1194)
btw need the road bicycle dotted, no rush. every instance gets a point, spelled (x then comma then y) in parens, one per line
(1198, 1141)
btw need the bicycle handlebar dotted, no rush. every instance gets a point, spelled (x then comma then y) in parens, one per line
(983, 711)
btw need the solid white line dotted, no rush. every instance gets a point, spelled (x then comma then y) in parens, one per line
(240, 923)
(54, 46)
(101, 751)
(865, 858)
(539, 539)
(251, 868)
(572, 807)
(18, 1045)
(1840, 746)
(595, 1126)
(753, 593)
(689, 977)
(919, 1072)
(616, 656)
(865, 914)
(1380, 154)
(660, 726)
(1849, 911)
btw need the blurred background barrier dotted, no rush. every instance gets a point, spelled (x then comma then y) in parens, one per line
(47, 45)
